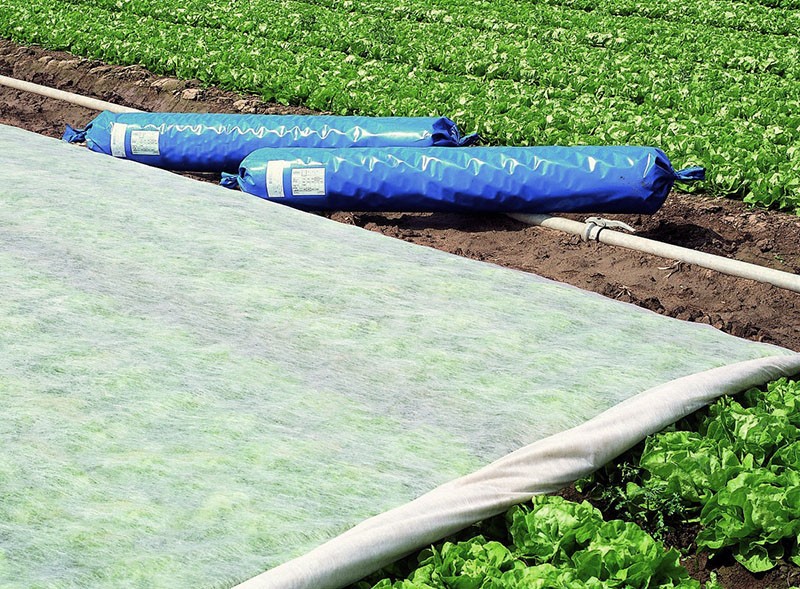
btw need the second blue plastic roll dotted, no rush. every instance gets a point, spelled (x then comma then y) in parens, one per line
(621, 179)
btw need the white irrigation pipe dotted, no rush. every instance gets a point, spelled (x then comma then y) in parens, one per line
(596, 229)
(84, 101)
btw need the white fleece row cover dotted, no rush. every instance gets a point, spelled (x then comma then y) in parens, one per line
(197, 386)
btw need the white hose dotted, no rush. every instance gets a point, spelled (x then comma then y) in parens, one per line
(84, 101)
(591, 230)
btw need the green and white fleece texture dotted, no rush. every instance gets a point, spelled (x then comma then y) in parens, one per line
(197, 385)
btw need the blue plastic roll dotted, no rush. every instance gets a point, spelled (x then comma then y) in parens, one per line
(219, 142)
(481, 179)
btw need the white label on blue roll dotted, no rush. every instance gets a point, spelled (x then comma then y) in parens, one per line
(308, 182)
(118, 139)
(144, 143)
(275, 179)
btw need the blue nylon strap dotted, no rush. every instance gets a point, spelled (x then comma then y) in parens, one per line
(229, 180)
(692, 174)
(72, 135)
(472, 139)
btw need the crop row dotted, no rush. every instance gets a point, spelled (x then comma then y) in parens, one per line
(573, 38)
(736, 472)
(549, 544)
(519, 73)
(721, 14)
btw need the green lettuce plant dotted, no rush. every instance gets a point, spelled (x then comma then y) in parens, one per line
(738, 476)
(549, 543)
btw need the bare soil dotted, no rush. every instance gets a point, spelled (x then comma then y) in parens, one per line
(729, 228)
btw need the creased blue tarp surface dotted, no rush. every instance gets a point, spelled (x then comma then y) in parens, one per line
(483, 179)
(219, 142)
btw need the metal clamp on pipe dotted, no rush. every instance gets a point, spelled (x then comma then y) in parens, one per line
(594, 225)
(594, 229)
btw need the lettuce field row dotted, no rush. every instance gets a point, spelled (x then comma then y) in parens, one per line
(551, 543)
(556, 72)
(736, 472)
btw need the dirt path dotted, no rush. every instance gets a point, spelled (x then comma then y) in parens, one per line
(741, 307)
